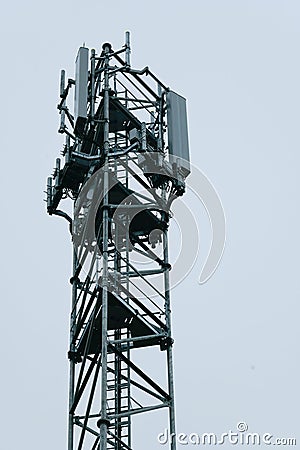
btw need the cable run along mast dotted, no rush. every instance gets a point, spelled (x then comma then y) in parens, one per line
(126, 158)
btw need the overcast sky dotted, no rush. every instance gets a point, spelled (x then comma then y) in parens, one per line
(237, 336)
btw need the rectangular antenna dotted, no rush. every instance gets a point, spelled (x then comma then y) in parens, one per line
(62, 91)
(49, 192)
(178, 140)
(81, 89)
(62, 82)
(127, 45)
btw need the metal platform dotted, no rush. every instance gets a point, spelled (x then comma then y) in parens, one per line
(142, 221)
(121, 316)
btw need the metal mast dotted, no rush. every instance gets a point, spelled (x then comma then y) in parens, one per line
(126, 158)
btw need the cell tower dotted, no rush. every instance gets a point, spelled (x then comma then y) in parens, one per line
(126, 157)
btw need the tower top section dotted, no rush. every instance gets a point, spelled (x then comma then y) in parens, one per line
(142, 116)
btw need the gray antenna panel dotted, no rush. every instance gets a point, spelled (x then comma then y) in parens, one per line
(178, 140)
(81, 82)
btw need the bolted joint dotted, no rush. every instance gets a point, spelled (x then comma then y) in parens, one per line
(74, 279)
(74, 356)
(166, 266)
(166, 343)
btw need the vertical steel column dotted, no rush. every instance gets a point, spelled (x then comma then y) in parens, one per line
(72, 348)
(104, 422)
(169, 345)
(167, 300)
(127, 221)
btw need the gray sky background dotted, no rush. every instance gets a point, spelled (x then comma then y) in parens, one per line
(237, 337)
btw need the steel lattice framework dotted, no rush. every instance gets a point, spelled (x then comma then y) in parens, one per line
(125, 162)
